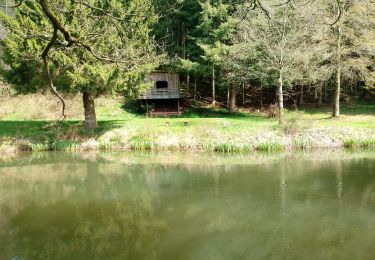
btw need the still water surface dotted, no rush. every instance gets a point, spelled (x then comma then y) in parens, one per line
(187, 206)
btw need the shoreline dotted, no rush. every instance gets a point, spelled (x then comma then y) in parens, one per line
(188, 158)
(172, 142)
(26, 127)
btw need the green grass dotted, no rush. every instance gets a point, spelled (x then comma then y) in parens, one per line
(208, 129)
(358, 143)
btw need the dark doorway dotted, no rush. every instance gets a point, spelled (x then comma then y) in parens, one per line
(161, 84)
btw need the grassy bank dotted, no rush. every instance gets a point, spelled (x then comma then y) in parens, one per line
(28, 123)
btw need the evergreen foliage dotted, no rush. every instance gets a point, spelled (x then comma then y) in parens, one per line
(225, 47)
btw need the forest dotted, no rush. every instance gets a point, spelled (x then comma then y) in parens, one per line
(233, 57)
(227, 51)
(271, 154)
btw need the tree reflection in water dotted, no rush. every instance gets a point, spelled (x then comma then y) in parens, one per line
(120, 208)
(96, 220)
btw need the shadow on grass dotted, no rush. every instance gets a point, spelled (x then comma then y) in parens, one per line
(135, 108)
(219, 113)
(47, 130)
(138, 109)
(203, 113)
(357, 108)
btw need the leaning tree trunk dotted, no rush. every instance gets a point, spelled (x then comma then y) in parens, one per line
(336, 100)
(213, 86)
(280, 99)
(89, 107)
(232, 99)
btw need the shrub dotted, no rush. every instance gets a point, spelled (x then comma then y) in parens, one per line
(293, 124)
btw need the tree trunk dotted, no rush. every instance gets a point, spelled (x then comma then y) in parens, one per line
(243, 94)
(213, 86)
(187, 85)
(261, 94)
(228, 96)
(280, 99)
(301, 98)
(336, 100)
(195, 87)
(325, 93)
(6, 7)
(89, 107)
(320, 101)
(232, 99)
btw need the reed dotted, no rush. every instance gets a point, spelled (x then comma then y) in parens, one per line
(270, 147)
(359, 143)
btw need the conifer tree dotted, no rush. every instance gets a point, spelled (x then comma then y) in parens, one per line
(86, 47)
(215, 30)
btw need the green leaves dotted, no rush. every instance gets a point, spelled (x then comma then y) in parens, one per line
(110, 39)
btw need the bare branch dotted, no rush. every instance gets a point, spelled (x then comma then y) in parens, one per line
(15, 5)
(45, 61)
(338, 15)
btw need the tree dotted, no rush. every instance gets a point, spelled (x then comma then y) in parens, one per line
(215, 30)
(278, 32)
(344, 44)
(79, 46)
(175, 32)
(237, 68)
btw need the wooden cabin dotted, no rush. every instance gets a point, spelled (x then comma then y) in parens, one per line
(165, 94)
(164, 86)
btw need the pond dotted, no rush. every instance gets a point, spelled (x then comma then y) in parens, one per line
(318, 205)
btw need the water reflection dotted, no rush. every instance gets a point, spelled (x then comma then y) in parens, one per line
(122, 206)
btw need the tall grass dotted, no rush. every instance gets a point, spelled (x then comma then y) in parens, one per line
(56, 146)
(270, 147)
(359, 143)
(142, 143)
(303, 144)
(232, 147)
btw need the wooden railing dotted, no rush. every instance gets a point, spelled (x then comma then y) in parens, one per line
(164, 93)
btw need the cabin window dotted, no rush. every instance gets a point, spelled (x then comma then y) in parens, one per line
(161, 84)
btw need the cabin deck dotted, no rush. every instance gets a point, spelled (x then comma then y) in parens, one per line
(162, 94)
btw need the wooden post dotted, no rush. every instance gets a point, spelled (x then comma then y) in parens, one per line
(178, 107)
(147, 108)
